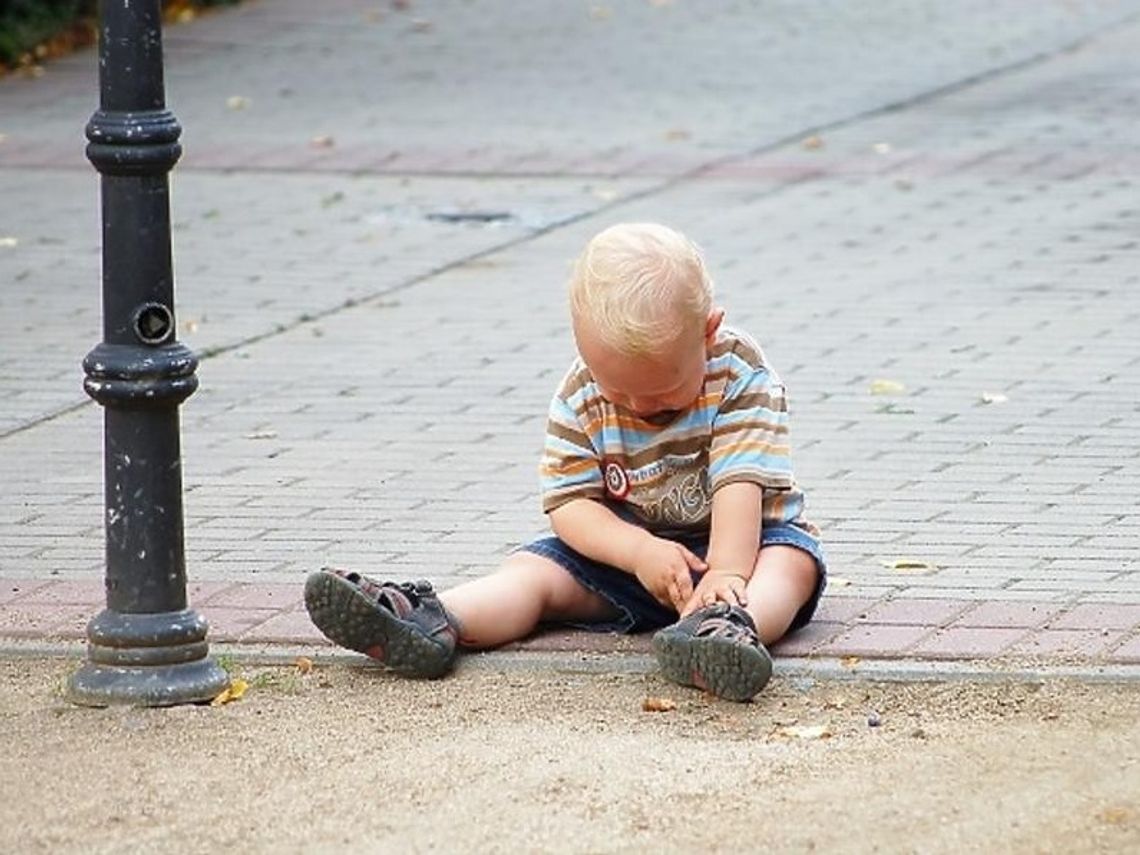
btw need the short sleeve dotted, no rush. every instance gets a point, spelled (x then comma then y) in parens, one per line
(750, 434)
(570, 468)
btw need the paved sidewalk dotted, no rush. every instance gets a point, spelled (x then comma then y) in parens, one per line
(942, 196)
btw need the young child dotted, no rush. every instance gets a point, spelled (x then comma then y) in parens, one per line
(668, 482)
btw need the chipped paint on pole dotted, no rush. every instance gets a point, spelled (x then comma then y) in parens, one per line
(147, 647)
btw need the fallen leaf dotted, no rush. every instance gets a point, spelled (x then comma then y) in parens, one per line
(1114, 815)
(909, 565)
(304, 664)
(813, 142)
(658, 704)
(881, 148)
(849, 661)
(190, 326)
(262, 434)
(812, 731)
(233, 692)
(838, 581)
(322, 141)
(9, 241)
(677, 134)
(887, 387)
(237, 102)
(994, 398)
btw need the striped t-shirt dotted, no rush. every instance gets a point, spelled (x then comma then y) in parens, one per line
(664, 475)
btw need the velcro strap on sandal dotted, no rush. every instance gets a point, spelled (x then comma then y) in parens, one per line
(731, 623)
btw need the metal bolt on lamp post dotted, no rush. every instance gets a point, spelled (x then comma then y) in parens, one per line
(147, 647)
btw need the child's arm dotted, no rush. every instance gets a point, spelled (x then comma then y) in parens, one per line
(732, 546)
(662, 566)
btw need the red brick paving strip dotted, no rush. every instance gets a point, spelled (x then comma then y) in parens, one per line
(1009, 614)
(908, 628)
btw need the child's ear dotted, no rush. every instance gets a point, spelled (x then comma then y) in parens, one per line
(716, 316)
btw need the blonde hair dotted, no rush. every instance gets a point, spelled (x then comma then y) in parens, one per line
(641, 287)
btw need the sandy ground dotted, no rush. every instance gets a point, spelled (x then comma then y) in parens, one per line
(353, 759)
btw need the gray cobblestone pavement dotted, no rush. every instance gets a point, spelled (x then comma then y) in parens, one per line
(927, 212)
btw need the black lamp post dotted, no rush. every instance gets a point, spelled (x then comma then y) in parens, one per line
(147, 647)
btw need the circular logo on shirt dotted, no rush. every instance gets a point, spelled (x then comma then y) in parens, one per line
(617, 482)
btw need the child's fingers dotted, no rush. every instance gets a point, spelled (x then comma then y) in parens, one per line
(692, 559)
(684, 583)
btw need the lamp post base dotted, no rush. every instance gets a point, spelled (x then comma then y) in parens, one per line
(150, 660)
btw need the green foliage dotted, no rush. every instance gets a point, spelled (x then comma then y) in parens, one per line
(28, 24)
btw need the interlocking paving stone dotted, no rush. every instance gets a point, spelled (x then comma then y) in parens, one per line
(927, 612)
(1008, 615)
(374, 381)
(1068, 642)
(969, 642)
(874, 640)
(1099, 616)
(1129, 651)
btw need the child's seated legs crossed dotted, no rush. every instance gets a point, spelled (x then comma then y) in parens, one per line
(668, 482)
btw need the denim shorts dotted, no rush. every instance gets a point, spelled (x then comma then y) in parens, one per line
(637, 610)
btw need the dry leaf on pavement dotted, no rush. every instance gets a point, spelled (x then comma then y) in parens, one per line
(813, 142)
(658, 704)
(232, 692)
(812, 731)
(909, 565)
(304, 664)
(887, 387)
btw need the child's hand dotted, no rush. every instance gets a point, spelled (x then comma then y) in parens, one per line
(717, 585)
(662, 567)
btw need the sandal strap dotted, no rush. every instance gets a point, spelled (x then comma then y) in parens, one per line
(401, 598)
(730, 623)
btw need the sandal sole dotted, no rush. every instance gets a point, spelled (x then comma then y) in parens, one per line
(735, 672)
(349, 618)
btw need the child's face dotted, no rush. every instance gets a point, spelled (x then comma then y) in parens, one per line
(647, 386)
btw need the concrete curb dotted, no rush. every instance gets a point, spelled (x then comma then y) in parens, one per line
(802, 671)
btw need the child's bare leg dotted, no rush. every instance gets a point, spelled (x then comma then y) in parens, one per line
(509, 603)
(782, 582)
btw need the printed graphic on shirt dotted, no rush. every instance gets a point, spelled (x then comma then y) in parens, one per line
(617, 481)
(681, 498)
